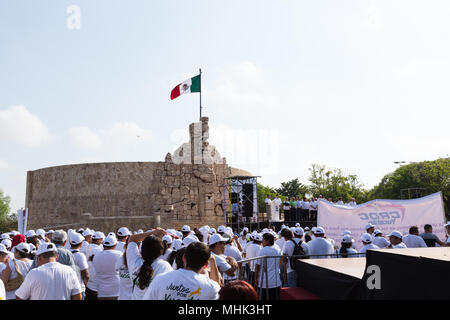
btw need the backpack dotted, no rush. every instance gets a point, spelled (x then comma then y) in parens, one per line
(298, 251)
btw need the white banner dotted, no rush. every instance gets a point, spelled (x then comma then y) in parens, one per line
(22, 219)
(386, 215)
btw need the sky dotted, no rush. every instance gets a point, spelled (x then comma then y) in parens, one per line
(355, 85)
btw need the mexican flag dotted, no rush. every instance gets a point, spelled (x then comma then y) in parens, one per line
(188, 86)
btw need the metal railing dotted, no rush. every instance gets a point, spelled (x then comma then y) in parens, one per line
(249, 276)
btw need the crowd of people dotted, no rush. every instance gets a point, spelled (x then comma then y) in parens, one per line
(188, 264)
(297, 208)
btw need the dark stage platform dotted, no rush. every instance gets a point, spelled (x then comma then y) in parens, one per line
(410, 274)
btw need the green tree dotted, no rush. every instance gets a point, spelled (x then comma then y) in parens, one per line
(333, 183)
(431, 176)
(263, 192)
(7, 221)
(292, 188)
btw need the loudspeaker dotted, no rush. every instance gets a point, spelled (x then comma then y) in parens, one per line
(247, 190)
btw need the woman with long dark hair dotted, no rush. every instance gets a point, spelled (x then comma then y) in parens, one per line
(145, 264)
(346, 247)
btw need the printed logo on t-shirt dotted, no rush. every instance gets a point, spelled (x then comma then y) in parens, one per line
(178, 292)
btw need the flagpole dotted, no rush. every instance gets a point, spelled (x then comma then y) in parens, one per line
(200, 70)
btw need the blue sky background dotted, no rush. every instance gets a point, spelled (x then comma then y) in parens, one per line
(354, 85)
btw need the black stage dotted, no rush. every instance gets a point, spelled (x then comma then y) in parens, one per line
(409, 274)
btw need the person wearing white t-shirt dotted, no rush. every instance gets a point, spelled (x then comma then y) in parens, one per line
(319, 247)
(125, 283)
(268, 202)
(108, 281)
(226, 265)
(94, 248)
(51, 280)
(292, 240)
(188, 283)
(395, 238)
(347, 250)
(122, 236)
(232, 251)
(379, 240)
(413, 240)
(367, 242)
(276, 205)
(146, 264)
(253, 249)
(269, 278)
(20, 263)
(352, 203)
(167, 251)
(305, 209)
(87, 234)
(76, 241)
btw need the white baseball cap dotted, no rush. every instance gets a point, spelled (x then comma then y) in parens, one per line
(30, 233)
(221, 229)
(7, 243)
(377, 231)
(5, 236)
(257, 237)
(167, 239)
(366, 238)
(40, 232)
(188, 240)
(347, 239)
(87, 232)
(76, 238)
(98, 235)
(396, 233)
(369, 225)
(3, 248)
(299, 231)
(110, 241)
(48, 247)
(245, 229)
(297, 224)
(319, 230)
(23, 247)
(346, 232)
(50, 231)
(122, 232)
(186, 228)
(212, 231)
(447, 224)
(32, 248)
(216, 238)
(177, 244)
(112, 234)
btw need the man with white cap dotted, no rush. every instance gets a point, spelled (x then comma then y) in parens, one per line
(232, 251)
(122, 236)
(87, 234)
(76, 241)
(370, 228)
(16, 269)
(105, 269)
(50, 280)
(185, 230)
(49, 234)
(395, 238)
(380, 240)
(32, 237)
(226, 265)
(269, 281)
(319, 245)
(252, 251)
(367, 244)
(289, 248)
(94, 248)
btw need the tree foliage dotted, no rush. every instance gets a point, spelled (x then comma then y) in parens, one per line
(7, 221)
(431, 176)
(292, 189)
(333, 183)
